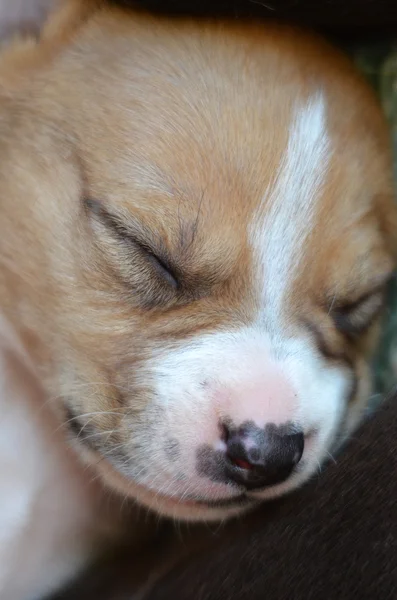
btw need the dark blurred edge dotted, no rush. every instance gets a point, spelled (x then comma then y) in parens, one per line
(343, 18)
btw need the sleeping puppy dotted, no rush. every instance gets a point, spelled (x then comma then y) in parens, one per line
(197, 229)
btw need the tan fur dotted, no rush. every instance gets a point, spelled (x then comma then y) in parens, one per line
(80, 116)
(64, 147)
(57, 142)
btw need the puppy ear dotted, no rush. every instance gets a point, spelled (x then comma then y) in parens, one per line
(67, 16)
(25, 53)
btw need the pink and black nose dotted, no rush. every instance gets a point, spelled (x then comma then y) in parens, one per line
(258, 458)
(252, 457)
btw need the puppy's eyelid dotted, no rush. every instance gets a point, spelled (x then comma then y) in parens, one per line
(115, 224)
(349, 305)
(355, 317)
(161, 265)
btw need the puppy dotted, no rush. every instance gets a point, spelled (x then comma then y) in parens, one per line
(197, 230)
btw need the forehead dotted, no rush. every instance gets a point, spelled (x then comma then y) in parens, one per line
(265, 162)
(275, 199)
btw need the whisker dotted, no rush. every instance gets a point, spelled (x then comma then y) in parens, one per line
(332, 457)
(79, 385)
(99, 433)
(82, 416)
(332, 305)
(95, 413)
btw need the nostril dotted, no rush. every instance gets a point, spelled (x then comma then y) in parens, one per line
(236, 454)
(240, 463)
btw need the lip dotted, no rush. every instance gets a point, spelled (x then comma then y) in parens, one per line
(233, 502)
(106, 468)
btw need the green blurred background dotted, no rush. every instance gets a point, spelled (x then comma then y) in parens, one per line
(378, 62)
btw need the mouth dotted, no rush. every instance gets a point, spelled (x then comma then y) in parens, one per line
(191, 508)
(83, 437)
(235, 502)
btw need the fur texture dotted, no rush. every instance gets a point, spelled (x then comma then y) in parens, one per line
(197, 230)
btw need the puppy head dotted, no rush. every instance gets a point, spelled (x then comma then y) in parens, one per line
(213, 213)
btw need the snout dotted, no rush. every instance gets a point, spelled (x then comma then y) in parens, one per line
(230, 423)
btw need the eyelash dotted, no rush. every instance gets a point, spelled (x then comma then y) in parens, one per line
(161, 266)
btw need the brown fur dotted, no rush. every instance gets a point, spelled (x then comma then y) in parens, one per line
(81, 111)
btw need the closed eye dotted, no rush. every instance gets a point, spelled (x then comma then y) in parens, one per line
(135, 239)
(356, 317)
(160, 265)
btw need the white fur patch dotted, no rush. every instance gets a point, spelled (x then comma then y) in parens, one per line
(227, 375)
(279, 234)
(47, 515)
(252, 374)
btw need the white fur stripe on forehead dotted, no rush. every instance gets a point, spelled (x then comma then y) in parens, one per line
(289, 205)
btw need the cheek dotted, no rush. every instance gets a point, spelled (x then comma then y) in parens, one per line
(360, 398)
